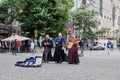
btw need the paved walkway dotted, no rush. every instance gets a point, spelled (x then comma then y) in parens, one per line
(95, 65)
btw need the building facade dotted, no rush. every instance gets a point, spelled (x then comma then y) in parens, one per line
(109, 15)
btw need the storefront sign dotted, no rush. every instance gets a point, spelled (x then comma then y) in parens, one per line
(36, 32)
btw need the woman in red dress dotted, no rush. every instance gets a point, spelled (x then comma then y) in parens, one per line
(72, 44)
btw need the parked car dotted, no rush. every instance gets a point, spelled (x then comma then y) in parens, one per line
(97, 48)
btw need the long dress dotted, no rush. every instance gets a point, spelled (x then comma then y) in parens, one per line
(47, 44)
(73, 57)
(59, 55)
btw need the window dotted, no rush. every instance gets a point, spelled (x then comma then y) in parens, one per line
(104, 16)
(84, 1)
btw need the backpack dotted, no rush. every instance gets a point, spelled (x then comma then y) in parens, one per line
(81, 44)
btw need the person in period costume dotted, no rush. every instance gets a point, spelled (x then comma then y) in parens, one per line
(47, 44)
(59, 55)
(72, 45)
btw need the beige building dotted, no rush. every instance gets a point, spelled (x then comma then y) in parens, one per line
(109, 15)
(109, 18)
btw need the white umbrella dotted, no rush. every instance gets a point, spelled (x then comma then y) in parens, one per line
(14, 37)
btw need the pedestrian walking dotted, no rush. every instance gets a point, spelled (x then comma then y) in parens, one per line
(112, 46)
(81, 44)
(59, 55)
(108, 47)
(47, 53)
(72, 44)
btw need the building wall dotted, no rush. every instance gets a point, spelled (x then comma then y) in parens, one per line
(108, 19)
(107, 14)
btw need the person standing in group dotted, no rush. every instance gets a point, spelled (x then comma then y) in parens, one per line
(47, 44)
(81, 44)
(72, 45)
(59, 55)
(36, 45)
(14, 47)
(19, 43)
(32, 46)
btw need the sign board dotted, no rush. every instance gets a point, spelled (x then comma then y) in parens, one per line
(36, 33)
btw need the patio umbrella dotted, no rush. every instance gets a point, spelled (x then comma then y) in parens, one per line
(14, 37)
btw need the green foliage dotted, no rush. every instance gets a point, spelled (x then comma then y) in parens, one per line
(2, 16)
(118, 42)
(49, 16)
(85, 20)
(101, 31)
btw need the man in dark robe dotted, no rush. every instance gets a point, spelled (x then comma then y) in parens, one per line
(59, 55)
(47, 44)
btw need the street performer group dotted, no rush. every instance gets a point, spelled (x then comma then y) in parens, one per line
(60, 46)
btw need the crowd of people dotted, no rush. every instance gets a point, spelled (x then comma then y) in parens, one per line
(15, 46)
(64, 49)
(59, 55)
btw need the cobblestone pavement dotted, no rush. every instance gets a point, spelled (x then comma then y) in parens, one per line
(95, 65)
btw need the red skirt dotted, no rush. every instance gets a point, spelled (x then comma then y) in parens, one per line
(73, 55)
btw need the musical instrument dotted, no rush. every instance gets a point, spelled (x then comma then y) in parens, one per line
(46, 43)
(69, 45)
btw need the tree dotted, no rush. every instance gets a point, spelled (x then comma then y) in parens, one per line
(3, 15)
(101, 32)
(49, 16)
(86, 22)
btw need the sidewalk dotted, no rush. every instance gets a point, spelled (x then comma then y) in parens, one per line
(95, 65)
(102, 54)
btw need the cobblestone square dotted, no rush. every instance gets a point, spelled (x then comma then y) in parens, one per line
(95, 65)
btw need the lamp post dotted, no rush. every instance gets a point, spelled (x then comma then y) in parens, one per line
(11, 11)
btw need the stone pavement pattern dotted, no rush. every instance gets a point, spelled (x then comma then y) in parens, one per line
(95, 65)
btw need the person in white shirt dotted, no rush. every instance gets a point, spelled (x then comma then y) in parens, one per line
(32, 47)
